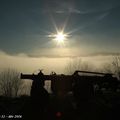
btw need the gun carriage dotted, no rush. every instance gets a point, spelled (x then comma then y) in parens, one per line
(83, 80)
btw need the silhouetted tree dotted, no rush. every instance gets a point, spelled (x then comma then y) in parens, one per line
(10, 82)
(107, 68)
(116, 65)
(77, 64)
(113, 66)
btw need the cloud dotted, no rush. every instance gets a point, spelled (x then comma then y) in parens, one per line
(102, 16)
(29, 64)
(59, 11)
(76, 11)
(73, 8)
(65, 10)
(24, 63)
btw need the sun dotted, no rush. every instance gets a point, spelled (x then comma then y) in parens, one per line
(60, 37)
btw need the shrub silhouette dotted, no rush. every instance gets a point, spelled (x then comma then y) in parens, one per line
(10, 83)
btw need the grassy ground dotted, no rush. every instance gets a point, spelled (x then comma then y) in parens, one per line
(103, 106)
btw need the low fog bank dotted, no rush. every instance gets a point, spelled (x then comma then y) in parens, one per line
(26, 64)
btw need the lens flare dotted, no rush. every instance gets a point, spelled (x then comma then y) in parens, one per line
(60, 37)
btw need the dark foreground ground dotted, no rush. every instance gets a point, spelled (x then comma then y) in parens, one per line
(102, 107)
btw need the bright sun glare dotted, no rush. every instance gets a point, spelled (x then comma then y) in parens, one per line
(60, 37)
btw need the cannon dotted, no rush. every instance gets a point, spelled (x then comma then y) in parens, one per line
(84, 80)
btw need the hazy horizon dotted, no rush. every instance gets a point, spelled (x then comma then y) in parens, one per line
(24, 63)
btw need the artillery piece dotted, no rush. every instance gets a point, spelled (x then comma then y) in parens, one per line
(82, 80)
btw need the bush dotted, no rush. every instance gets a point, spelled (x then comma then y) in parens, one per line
(10, 83)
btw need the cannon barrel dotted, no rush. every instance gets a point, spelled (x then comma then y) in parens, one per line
(95, 73)
(49, 77)
(100, 77)
(46, 77)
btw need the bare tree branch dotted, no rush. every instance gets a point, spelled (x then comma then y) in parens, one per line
(77, 64)
(10, 82)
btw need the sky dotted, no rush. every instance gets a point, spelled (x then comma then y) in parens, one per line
(93, 27)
